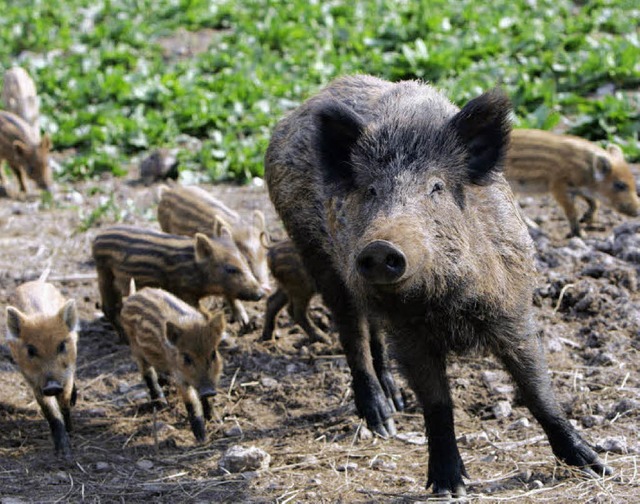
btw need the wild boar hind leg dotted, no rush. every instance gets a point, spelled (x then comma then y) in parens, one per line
(526, 363)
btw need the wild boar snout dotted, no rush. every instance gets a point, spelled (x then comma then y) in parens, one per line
(381, 262)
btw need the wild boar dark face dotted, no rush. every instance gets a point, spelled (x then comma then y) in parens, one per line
(398, 185)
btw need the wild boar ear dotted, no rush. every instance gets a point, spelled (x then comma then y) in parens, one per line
(483, 126)
(69, 315)
(14, 322)
(20, 148)
(601, 168)
(217, 324)
(339, 128)
(615, 152)
(204, 247)
(173, 332)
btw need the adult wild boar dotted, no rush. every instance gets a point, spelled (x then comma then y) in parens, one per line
(395, 199)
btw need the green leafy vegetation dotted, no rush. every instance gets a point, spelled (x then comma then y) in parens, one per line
(120, 77)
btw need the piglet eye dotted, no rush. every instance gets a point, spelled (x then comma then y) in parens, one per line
(62, 347)
(620, 186)
(231, 270)
(214, 354)
(32, 351)
(188, 361)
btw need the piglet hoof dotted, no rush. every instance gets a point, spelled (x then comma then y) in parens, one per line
(63, 451)
(197, 426)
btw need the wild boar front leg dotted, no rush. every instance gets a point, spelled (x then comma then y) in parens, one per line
(51, 411)
(427, 376)
(526, 363)
(194, 411)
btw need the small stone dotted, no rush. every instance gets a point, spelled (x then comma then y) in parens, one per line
(364, 434)
(291, 369)
(383, 465)
(502, 409)
(520, 424)
(12, 500)
(613, 445)
(495, 381)
(240, 459)
(102, 466)
(236, 430)
(626, 406)
(474, 439)
(408, 480)
(537, 484)
(349, 466)
(144, 464)
(269, 382)
(315, 481)
(304, 351)
(74, 197)
(250, 475)
(415, 438)
(589, 421)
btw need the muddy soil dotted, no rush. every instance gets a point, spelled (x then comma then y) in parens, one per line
(293, 400)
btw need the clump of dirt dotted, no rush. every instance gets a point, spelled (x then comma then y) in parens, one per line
(293, 400)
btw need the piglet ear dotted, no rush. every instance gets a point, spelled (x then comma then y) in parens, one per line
(204, 247)
(173, 332)
(14, 322)
(218, 324)
(339, 128)
(69, 315)
(483, 126)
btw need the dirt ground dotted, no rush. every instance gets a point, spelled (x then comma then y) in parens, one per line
(294, 401)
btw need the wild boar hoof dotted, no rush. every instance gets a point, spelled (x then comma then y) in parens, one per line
(446, 477)
(588, 461)
(396, 402)
(373, 406)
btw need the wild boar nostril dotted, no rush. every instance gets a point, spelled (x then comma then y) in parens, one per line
(381, 262)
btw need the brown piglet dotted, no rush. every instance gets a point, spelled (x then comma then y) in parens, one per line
(26, 154)
(190, 268)
(567, 166)
(187, 210)
(170, 337)
(42, 336)
(295, 290)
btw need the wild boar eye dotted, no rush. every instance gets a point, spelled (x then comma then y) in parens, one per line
(214, 354)
(437, 187)
(32, 351)
(371, 192)
(62, 347)
(620, 186)
(188, 361)
(231, 270)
